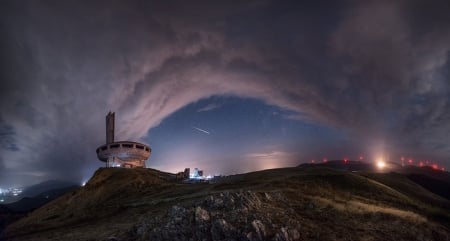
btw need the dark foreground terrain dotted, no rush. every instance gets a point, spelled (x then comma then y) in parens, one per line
(301, 203)
(33, 198)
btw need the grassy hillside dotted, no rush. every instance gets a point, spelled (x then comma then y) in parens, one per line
(302, 203)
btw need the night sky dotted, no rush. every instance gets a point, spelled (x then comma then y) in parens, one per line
(225, 86)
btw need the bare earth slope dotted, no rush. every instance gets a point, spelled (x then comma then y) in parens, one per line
(301, 203)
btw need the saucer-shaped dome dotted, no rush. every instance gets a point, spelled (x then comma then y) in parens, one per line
(124, 154)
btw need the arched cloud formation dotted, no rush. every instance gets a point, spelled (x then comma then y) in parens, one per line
(379, 69)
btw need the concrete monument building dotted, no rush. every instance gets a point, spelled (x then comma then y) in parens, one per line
(121, 153)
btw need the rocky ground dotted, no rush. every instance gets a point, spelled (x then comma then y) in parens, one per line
(305, 203)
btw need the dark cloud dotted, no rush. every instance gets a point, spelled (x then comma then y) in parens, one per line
(379, 69)
(7, 141)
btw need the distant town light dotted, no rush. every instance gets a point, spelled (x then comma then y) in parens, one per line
(381, 164)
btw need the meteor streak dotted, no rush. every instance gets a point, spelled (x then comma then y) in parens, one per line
(207, 132)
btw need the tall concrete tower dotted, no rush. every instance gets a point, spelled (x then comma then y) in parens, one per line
(110, 127)
(121, 153)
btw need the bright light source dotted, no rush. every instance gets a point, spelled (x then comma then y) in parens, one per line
(381, 164)
(83, 184)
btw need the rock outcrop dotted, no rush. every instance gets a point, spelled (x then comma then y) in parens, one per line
(224, 216)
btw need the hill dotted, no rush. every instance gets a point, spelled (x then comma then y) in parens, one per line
(7, 216)
(40, 188)
(301, 203)
(434, 180)
(11, 212)
(27, 204)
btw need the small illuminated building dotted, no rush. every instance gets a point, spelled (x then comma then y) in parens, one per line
(196, 173)
(121, 153)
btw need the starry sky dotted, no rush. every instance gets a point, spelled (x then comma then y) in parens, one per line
(225, 86)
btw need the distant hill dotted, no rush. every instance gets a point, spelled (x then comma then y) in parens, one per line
(14, 211)
(348, 165)
(42, 187)
(435, 185)
(310, 202)
(27, 204)
(436, 181)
